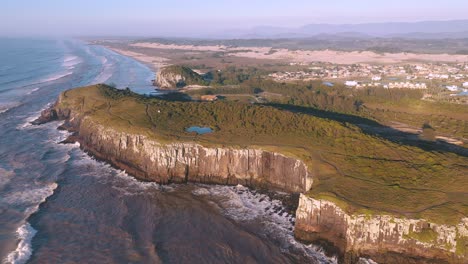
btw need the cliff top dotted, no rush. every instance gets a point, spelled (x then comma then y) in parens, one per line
(176, 76)
(360, 172)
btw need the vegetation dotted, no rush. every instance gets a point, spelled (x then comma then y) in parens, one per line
(426, 235)
(362, 170)
(378, 104)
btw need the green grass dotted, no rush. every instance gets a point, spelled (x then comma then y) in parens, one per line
(427, 235)
(361, 172)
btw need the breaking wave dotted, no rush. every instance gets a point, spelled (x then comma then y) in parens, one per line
(23, 251)
(244, 205)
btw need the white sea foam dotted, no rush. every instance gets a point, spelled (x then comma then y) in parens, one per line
(32, 197)
(71, 61)
(106, 71)
(27, 122)
(241, 204)
(118, 179)
(23, 251)
(33, 90)
(56, 77)
(366, 261)
(7, 106)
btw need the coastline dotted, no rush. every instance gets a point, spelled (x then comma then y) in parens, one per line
(128, 152)
(154, 63)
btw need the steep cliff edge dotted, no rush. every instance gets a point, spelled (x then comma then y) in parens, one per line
(384, 238)
(174, 76)
(260, 146)
(150, 160)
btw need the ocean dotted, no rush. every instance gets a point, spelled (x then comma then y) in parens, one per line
(59, 205)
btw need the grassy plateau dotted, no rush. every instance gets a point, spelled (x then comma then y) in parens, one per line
(362, 172)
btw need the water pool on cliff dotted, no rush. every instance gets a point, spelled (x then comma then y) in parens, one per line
(199, 130)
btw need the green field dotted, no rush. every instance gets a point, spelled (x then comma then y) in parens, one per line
(361, 171)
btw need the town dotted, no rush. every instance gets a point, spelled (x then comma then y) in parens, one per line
(453, 77)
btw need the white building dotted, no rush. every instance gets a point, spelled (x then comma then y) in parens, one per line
(407, 85)
(452, 88)
(465, 84)
(376, 78)
(351, 83)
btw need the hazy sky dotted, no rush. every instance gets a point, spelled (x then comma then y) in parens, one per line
(156, 17)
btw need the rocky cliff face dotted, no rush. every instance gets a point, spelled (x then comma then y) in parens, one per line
(150, 160)
(384, 238)
(174, 76)
(168, 80)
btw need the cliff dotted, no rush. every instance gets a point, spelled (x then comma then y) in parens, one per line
(263, 147)
(384, 238)
(150, 160)
(172, 77)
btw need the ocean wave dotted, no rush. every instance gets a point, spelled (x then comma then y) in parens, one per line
(23, 251)
(27, 124)
(30, 197)
(8, 106)
(106, 71)
(242, 204)
(33, 198)
(70, 61)
(33, 90)
(119, 179)
(55, 77)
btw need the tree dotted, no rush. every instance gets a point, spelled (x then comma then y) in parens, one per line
(428, 132)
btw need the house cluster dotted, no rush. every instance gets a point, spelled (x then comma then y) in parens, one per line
(392, 85)
(376, 73)
(463, 90)
(406, 85)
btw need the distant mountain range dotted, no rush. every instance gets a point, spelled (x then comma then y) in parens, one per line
(416, 30)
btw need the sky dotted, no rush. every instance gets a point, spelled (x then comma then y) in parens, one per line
(159, 18)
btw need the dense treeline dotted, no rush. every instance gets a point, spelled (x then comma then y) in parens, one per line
(311, 94)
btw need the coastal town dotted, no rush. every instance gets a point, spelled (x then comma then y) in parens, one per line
(452, 77)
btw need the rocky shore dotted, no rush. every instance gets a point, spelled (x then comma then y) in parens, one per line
(384, 238)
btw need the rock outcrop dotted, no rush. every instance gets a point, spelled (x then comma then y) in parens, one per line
(384, 238)
(173, 77)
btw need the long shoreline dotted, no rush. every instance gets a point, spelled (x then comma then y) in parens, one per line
(154, 63)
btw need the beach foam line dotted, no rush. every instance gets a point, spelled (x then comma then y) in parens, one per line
(33, 90)
(26, 232)
(70, 61)
(106, 71)
(55, 77)
(23, 251)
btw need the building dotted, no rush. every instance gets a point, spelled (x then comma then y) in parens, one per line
(452, 88)
(209, 98)
(351, 83)
(465, 84)
(376, 78)
(407, 85)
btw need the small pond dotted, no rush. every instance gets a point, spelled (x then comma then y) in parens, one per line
(199, 130)
(329, 84)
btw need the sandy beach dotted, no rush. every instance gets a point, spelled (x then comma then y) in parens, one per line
(307, 56)
(151, 61)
